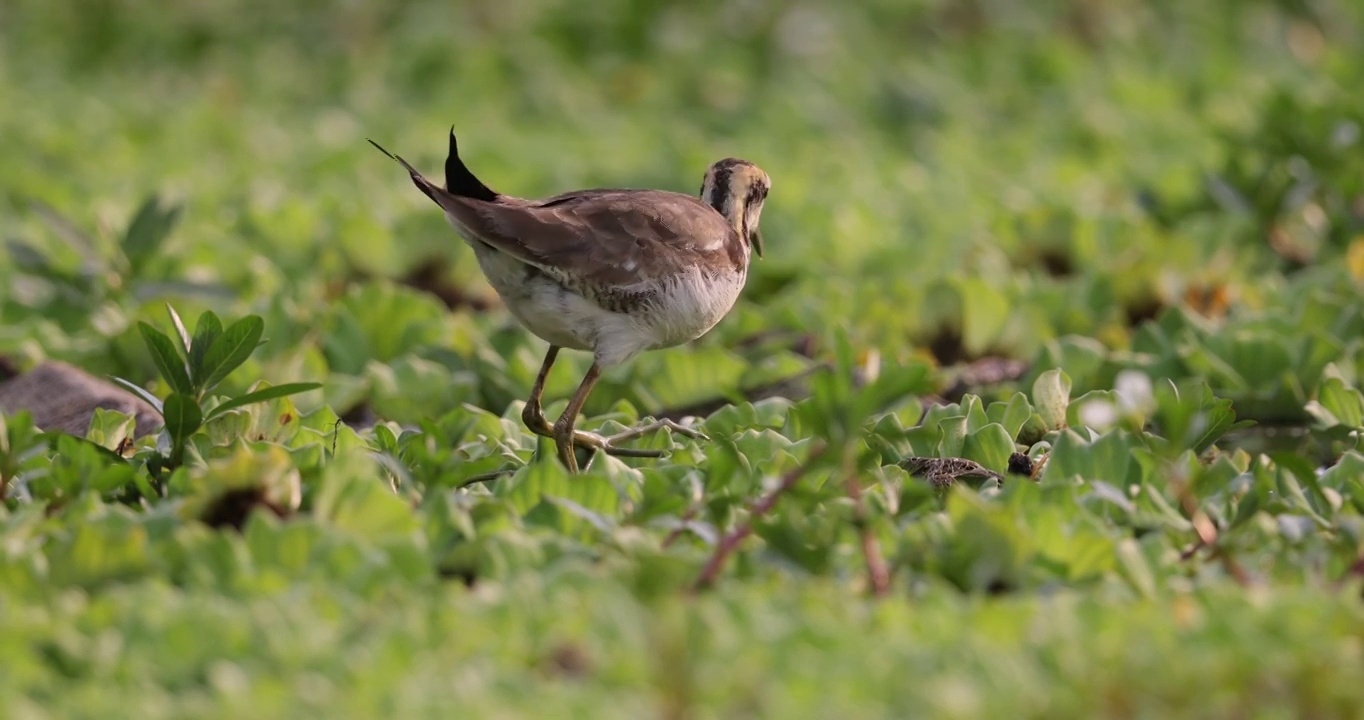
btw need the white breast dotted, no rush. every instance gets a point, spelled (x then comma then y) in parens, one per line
(685, 308)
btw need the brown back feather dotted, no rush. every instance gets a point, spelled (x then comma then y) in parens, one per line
(609, 245)
(603, 239)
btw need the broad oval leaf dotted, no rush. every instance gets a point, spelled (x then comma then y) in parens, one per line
(231, 349)
(1051, 396)
(1016, 414)
(953, 433)
(1343, 402)
(990, 446)
(182, 416)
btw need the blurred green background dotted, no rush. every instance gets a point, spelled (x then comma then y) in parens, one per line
(1095, 185)
(952, 179)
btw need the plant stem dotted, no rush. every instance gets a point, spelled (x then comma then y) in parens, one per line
(677, 531)
(763, 505)
(878, 576)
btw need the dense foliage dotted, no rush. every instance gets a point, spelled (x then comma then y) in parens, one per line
(1156, 209)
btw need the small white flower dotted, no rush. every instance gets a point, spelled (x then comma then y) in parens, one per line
(1135, 395)
(1099, 415)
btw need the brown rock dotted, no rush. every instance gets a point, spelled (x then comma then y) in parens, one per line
(63, 397)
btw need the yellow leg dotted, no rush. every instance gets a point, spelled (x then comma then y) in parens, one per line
(564, 435)
(533, 414)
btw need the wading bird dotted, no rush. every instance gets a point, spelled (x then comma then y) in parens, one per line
(612, 271)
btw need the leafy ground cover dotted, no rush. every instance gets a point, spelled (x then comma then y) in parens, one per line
(1154, 210)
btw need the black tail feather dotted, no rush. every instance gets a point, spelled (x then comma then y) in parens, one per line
(459, 181)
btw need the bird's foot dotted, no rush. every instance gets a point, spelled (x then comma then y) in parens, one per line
(610, 444)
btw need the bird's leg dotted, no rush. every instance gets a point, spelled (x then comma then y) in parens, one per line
(565, 437)
(533, 414)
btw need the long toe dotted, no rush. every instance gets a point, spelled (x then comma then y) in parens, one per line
(655, 426)
(591, 440)
(681, 429)
(633, 452)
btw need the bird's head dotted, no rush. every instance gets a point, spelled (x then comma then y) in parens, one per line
(736, 189)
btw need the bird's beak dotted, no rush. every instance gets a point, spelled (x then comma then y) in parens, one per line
(755, 238)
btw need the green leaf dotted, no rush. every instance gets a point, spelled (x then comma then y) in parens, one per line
(988, 548)
(351, 496)
(109, 428)
(148, 230)
(111, 547)
(230, 350)
(1016, 414)
(574, 513)
(1051, 396)
(206, 331)
(1343, 477)
(990, 446)
(266, 470)
(925, 440)
(985, 311)
(682, 379)
(18, 437)
(180, 332)
(139, 391)
(530, 484)
(974, 410)
(384, 439)
(67, 446)
(953, 431)
(168, 361)
(1344, 403)
(270, 393)
(182, 416)
(1134, 568)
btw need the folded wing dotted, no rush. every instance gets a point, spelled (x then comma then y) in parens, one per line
(608, 245)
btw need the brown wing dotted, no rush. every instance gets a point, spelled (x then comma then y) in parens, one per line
(602, 240)
(607, 245)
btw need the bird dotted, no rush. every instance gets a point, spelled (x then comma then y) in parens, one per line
(943, 472)
(611, 271)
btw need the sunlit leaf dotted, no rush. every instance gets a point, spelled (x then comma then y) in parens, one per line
(269, 393)
(168, 361)
(206, 332)
(1051, 397)
(181, 333)
(231, 349)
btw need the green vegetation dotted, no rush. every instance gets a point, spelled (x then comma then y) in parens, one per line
(1158, 208)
